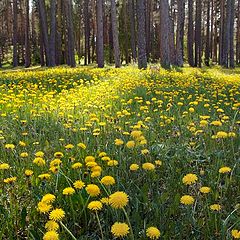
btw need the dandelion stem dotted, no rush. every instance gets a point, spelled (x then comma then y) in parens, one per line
(99, 224)
(65, 227)
(130, 226)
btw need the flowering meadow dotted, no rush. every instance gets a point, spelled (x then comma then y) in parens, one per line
(119, 154)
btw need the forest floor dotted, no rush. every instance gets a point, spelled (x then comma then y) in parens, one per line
(84, 149)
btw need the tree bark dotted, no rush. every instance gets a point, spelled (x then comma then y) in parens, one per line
(86, 33)
(100, 46)
(238, 35)
(142, 56)
(231, 34)
(164, 42)
(27, 40)
(190, 33)
(198, 34)
(15, 33)
(52, 41)
(115, 34)
(207, 47)
(180, 32)
(70, 34)
(44, 28)
(131, 12)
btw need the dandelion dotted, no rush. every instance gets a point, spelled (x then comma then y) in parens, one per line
(108, 180)
(153, 233)
(76, 165)
(43, 207)
(225, 170)
(89, 159)
(4, 166)
(205, 189)
(51, 235)
(28, 172)
(134, 167)
(58, 154)
(221, 134)
(48, 198)
(10, 180)
(39, 154)
(187, 200)
(148, 166)
(44, 176)
(189, 179)
(130, 144)
(119, 229)
(51, 226)
(118, 199)
(57, 214)
(95, 205)
(118, 142)
(69, 146)
(93, 190)
(82, 145)
(79, 184)
(235, 234)
(68, 191)
(215, 207)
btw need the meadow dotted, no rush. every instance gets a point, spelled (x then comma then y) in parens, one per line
(119, 154)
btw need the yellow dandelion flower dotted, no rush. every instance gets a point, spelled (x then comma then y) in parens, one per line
(51, 226)
(153, 233)
(4, 166)
(187, 200)
(130, 144)
(225, 170)
(69, 146)
(93, 190)
(134, 167)
(89, 159)
(28, 172)
(39, 154)
(148, 166)
(112, 163)
(108, 180)
(48, 198)
(76, 165)
(215, 207)
(68, 191)
(235, 234)
(82, 145)
(118, 199)
(10, 180)
(95, 205)
(79, 184)
(119, 229)
(44, 207)
(105, 200)
(58, 155)
(44, 176)
(189, 179)
(57, 214)
(51, 235)
(205, 189)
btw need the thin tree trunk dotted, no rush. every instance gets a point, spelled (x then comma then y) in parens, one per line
(131, 11)
(238, 35)
(142, 56)
(115, 34)
(100, 47)
(70, 34)
(180, 32)
(43, 25)
(190, 33)
(27, 40)
(86, 33)
(221, 32)
(164, 42)
(52, 42)
(231, 34)
(15, 33)
(198, 35)
(207, 47)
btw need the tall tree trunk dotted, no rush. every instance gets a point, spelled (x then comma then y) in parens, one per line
(86, 33)
(238, 35)
(70, 34)
(221, 32)
(207, 47)
(100, 47)
(142, 56)
(131, 11)
(44, 28)
(180, 32)
(27, 40)
(125, 25)
(15, 33)
(198, 34)
(115, 34)
(190, 33)
(52, 41)
(164, 42)
(231, 34)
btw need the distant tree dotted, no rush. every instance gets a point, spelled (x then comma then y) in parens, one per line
(115, 34)
(100, 47)
(27, 40)
(207, 39)
(164, 25)
(15, 33)
(198, 34)
(142, 56)
(190, 33)
(52, 39)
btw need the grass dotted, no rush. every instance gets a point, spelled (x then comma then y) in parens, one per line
(178, 122)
